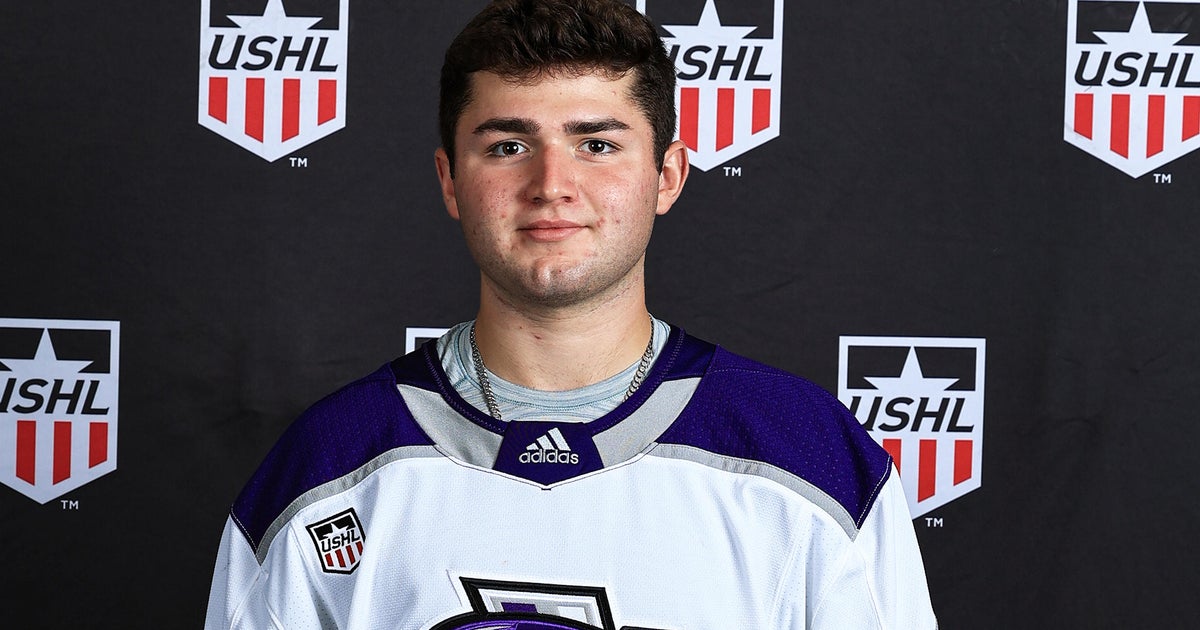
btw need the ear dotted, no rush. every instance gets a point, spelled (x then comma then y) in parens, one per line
(446, 180)
(674, 174)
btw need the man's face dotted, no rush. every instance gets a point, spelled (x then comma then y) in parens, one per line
(556, 186)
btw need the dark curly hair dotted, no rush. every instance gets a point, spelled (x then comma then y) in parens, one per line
(525, 39)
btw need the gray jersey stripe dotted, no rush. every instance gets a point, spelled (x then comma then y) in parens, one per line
(339, 485)
(740, 466)
(458, 437)
(462, 439)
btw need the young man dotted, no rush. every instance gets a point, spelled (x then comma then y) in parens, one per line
(565, 461)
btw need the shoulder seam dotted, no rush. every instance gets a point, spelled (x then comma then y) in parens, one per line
(870, 502)
(242, 528)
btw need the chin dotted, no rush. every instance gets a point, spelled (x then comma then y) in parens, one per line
(558, 296)
(555, 284)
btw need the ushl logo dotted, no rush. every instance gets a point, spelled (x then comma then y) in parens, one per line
(58, 404)
(729, 80)
(1133, 84)
(340, 541)
(921, 398)
(272, 82)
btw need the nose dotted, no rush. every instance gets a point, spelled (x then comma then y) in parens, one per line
(553, 175)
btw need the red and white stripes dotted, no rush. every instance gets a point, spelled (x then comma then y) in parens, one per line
(726, 99)
(1138, 128)
(926, 467)
(344, 560)
(61, 449)
(255, 105)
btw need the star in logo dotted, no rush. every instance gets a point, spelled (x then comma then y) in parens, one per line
(274, 20)
(1140, 37)
(709, 28)
(911, 379)
(45, 362)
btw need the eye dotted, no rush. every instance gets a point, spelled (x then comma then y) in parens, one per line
(598, 147)
(507, 148)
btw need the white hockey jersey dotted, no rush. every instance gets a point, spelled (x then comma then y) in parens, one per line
(722, 495)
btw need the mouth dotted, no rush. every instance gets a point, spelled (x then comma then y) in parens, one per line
(551, 230)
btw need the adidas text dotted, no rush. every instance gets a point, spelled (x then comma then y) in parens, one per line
(548, 457)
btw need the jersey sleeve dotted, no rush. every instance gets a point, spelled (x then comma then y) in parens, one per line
(880, 580)
(261, 579)
(236, 598)
(280, 594)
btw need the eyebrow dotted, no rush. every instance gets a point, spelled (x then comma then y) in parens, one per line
(526, 126)
(588, 127)
(522, 126)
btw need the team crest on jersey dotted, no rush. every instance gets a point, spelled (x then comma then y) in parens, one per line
(921, 398)
(58, 404)
(271, 80)
(1133, 81)
(500, 605)
(340, 540)
(729, 76)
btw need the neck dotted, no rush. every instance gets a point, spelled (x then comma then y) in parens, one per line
(562, 348)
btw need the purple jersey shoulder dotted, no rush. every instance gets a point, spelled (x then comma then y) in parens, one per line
(331, 439)
(751, 411)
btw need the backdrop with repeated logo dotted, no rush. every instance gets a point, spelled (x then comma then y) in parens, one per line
(218, 212)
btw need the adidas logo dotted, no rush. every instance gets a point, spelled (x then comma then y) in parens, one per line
(551, 448)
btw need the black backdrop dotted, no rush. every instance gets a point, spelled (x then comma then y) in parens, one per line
(920, 186)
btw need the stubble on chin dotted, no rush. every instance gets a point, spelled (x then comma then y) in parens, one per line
(561, 285)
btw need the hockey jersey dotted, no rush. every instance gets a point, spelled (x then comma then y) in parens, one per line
(723, 494)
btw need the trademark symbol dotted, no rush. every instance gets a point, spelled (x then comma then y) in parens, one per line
(69, 505)
(299, 162)
(733, 171)
(934, 522)
(1162, 178)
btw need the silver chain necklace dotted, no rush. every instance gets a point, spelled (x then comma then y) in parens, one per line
(489, 397)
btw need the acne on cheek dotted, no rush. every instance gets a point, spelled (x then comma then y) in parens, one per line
(497, 202)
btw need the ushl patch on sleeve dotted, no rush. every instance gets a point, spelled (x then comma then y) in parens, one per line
(340, 540)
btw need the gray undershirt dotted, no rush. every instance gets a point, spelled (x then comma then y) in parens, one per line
(522, 403)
